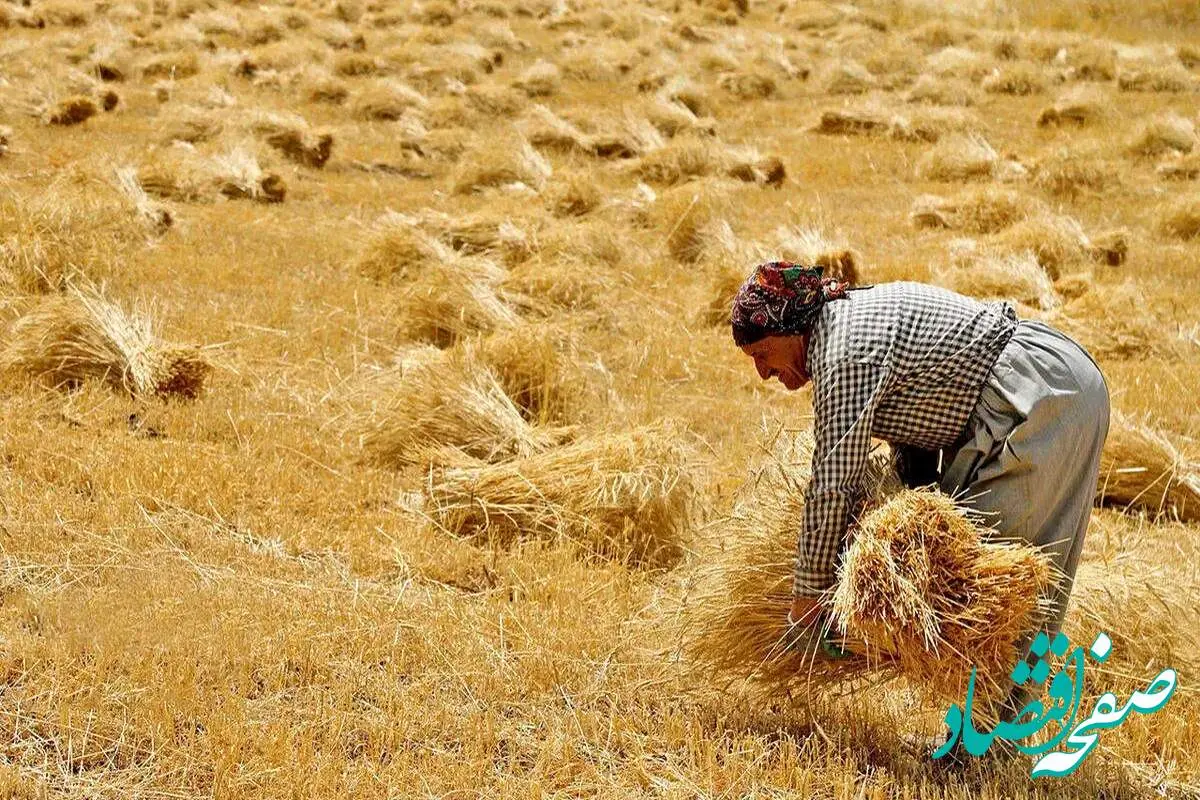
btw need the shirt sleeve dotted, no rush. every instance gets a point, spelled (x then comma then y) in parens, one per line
(843, 407)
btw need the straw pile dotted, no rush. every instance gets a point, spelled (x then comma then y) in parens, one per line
(1015, 276)
(292, 136)
(984, 210)
(1164, 134)
(921, 585)
(504, 162)
(958, 158)
(1140, 468)
(70, 111)
(78, 337)
(622, 496)
(1100, 320)
(1080, 105)
(1181, 218)
(920, 595)
(434, 407)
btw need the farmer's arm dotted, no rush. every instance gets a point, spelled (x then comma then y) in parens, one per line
(843, 404)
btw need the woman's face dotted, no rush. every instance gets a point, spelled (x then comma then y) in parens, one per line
(781, 357)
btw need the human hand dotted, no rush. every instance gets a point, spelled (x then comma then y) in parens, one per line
(806, 611)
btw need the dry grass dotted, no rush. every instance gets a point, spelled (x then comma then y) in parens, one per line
(65, 341)
(624, 496)
(1142, 469)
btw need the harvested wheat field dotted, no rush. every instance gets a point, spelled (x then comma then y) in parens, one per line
(372, 426)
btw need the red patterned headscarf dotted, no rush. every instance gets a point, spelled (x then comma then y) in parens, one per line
(781, 298)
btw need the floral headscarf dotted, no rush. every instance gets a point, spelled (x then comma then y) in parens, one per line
(781, 298)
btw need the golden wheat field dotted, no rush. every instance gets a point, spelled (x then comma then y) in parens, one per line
(371, 422)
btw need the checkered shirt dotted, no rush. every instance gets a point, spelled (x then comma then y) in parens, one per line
(903, 362)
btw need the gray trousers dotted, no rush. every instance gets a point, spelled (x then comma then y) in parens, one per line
(1031, 455)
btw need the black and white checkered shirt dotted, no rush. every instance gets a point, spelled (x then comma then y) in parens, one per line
(904, 362)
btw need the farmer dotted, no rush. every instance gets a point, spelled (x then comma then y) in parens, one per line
(1008, 415)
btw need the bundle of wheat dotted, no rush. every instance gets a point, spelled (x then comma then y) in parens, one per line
(1181, 218)
(749, 166)
(432, 407)
(856, 120)
(1056, 240)
(813, 247)
(683, 159)
(387, 100)
(687, 215)
(1017, 78)
(735, 620)
(543, 128)
(70, 111)
(1071, 172)
(1166, 77)
(537, 365)
(1176, 167)
(923, 587)
(495, 231)
(397, 248)
(940, 92)
(847, 77)
(1142, 469)
(1100, 321)
(985, 210)
(539, 79)
(922, 593)
(563, 272)
(156, 216)
(958, 158)
(292, 136)
(502, 161)
(81, 336)
(1015, 276)
(1163, 134)
(748, 84)
(452, 298)
(624, 496)
(1079, 105)
(182, 174)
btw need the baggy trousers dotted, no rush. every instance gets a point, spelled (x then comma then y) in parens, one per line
(1029, 460)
